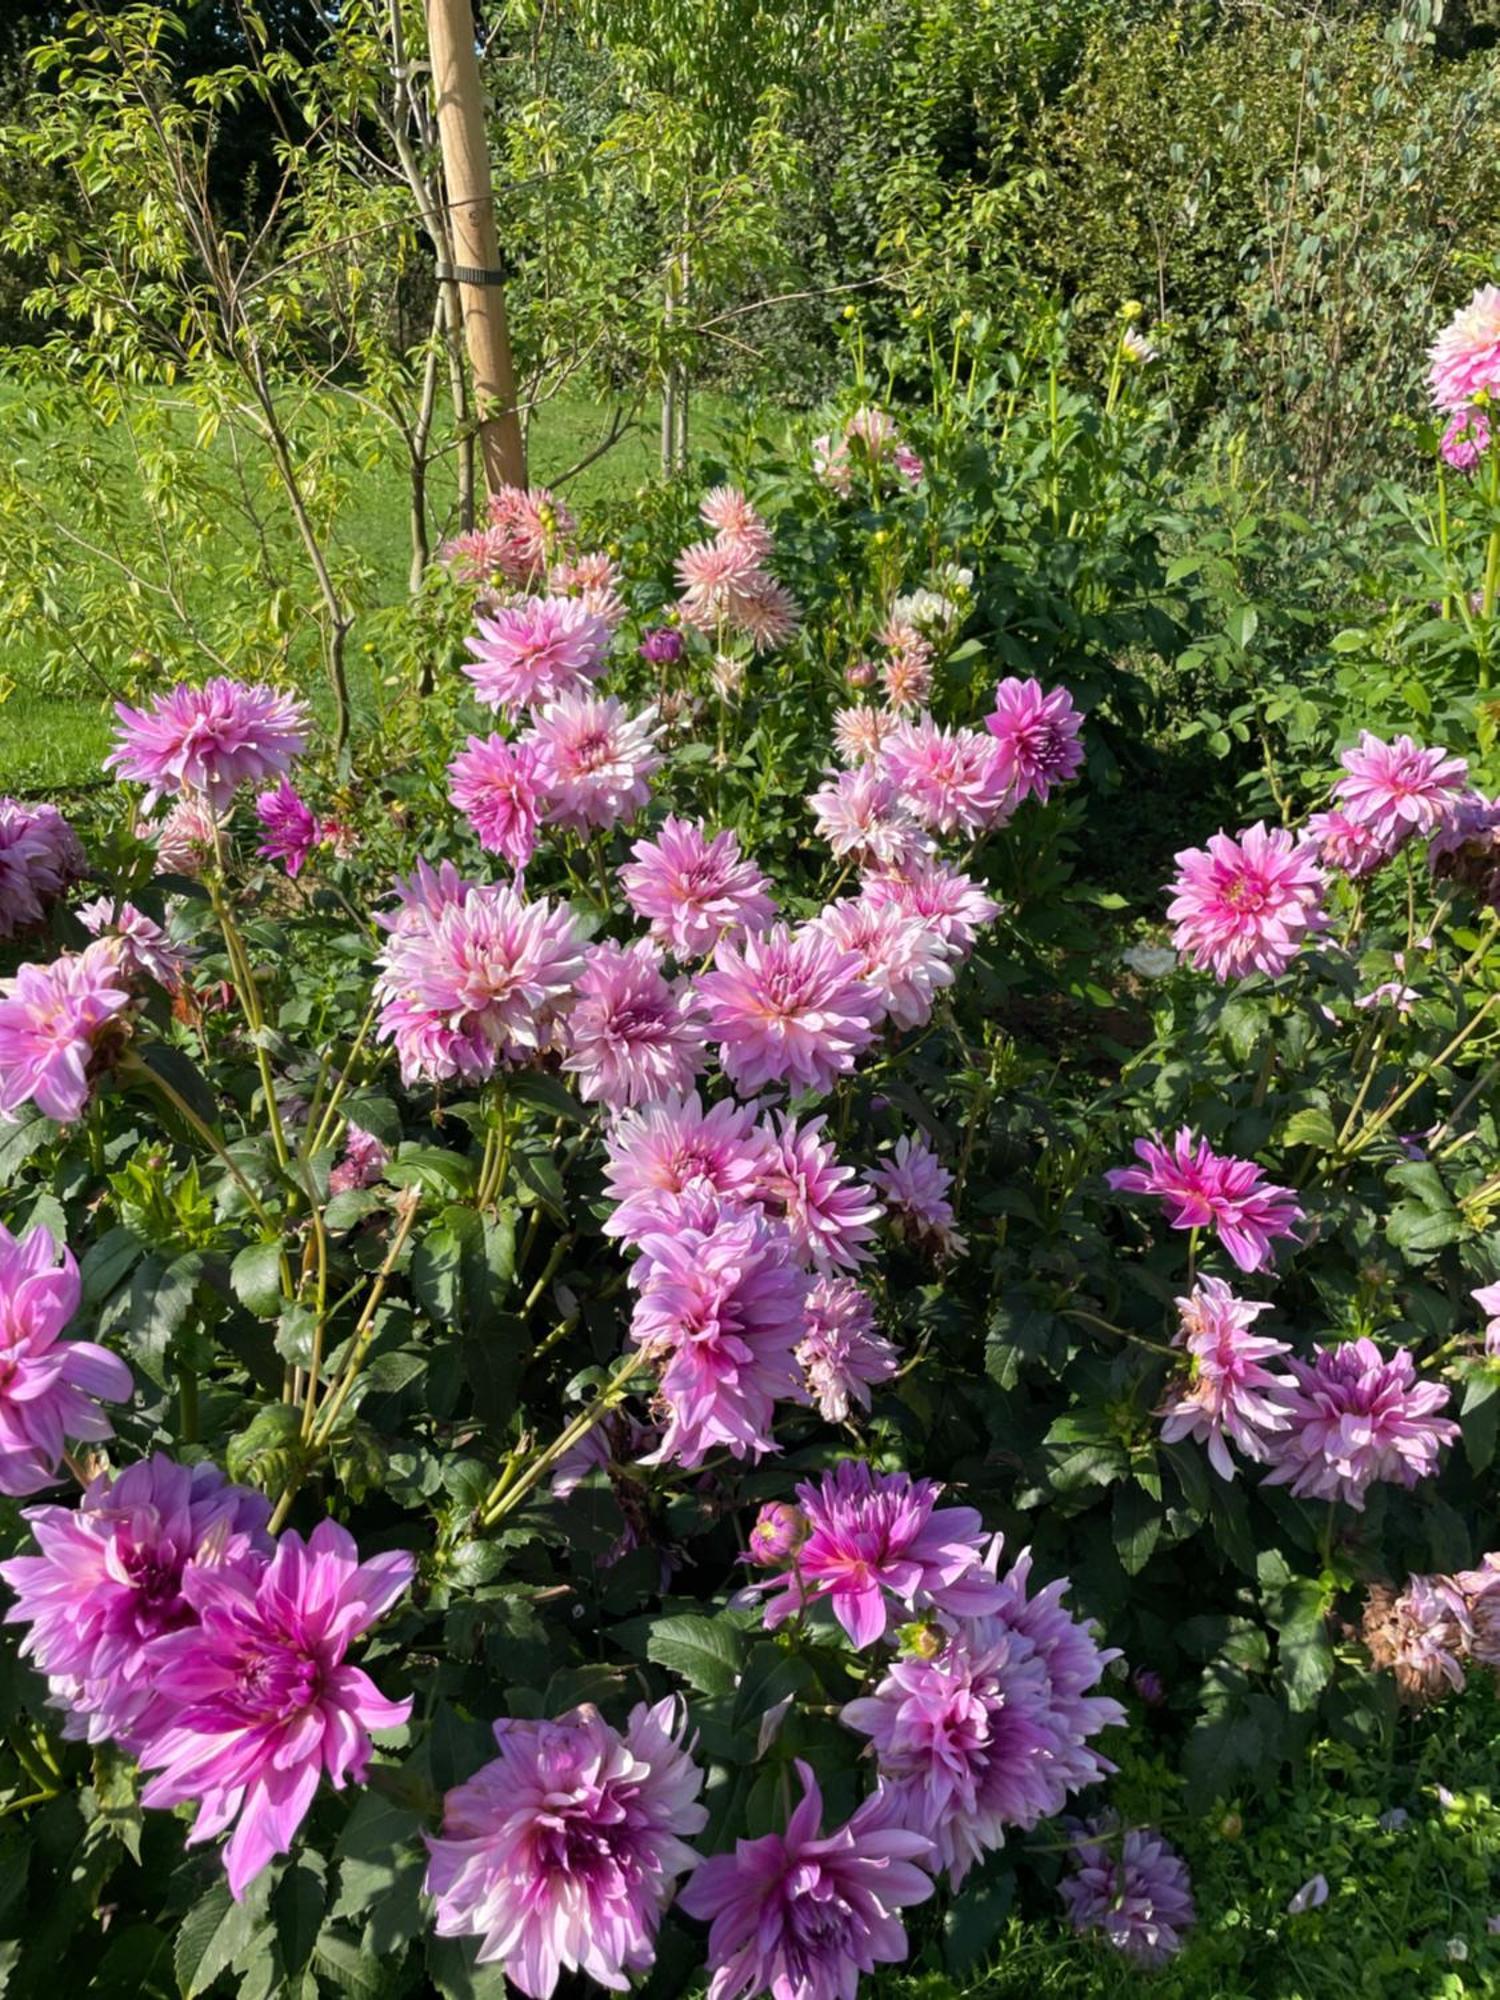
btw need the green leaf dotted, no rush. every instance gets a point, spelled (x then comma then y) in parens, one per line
(347, 1967)
(433, 1168)
(107, 1262)
(544, 1093)
(297, 1906)
(215, 1932)
(19, 1141)
(381, 1864)
(1297, 1607)
(256, 1277)
(161, 1296)
(1137, 1522)
(451, 1968)
(705, 1652)
(1311, 1127)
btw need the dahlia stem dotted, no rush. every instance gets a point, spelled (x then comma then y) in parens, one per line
(131, 1066)
(1383, 1118)
(326, 1124)
(559, 1250)
(507, 1494)
(255, 1020)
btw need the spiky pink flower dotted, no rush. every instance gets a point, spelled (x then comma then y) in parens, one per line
(498, 787)
(185, 839)
(843, 1355)
(765, 612)
(860, 734)
(1355, 1416)
(1133, 1887)
(292, 828)
(1466, 354)
(527, 526)
(1398, 789)
(726, 510)
(878, 1544)
(53, 1023)
(39, 857)
(142, 947)
(208, 741)
(593, 578)
(655, 1155)
(535, 652)
(1039, 737)
(801, 1915)
(860, 813)
(109, 1579)
(1246, 904)
(908, 464)
(474, 979)
(788, 1007)
(595, 760)
(900, 956)
(1202, 1189)
(365, 1160)
(695, 890)
(264, 1699)
(1227, 1393)
(1466, 439)
(50, 1387)
(721, 1307)
(952, 779)
(906, 671)
(711, 576)
(952, 905)
(478, 555)
(631, 1036)
(564, 1851)
(916, 1184)
(828, 1212)
(1346, 844)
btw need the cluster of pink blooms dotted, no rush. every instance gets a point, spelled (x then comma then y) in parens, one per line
(724, 584)
(868, 441)
(1131, 1886)
(1465, 360)
(39, 858)
(525, 529)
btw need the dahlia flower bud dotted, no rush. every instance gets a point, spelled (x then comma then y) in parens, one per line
(780, 1530)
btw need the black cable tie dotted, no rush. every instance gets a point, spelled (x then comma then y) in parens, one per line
(468, 274)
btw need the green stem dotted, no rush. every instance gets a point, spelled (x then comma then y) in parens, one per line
(1383, 1118)
(508, 1492)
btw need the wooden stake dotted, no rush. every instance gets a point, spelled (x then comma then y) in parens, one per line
(476, 242)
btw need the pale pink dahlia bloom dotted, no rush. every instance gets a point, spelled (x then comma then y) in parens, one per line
(1466, 354)
(1133, 1887)
(534, 652)
(694, 889)
(1038, 735)
(594, 579)
(142, 947)
(906, 671)
(861, 814)
(39, 857)
(788, 1007)
(208, 741)
(1466, 439)
(916, 1185)
(655, 1155)
(527, 526)
(726, 510)
(1246, 904)
(843, 1355)
(712, 577)
(801, 1915)
(563, 1853)
(900, 956)
(184, 838)
(291, 826)
(1347, 845)
(1355, 1416)
(1399, 789)
(1481, 1596)
(595, 761)
(766, 613)
(109, 1579)
(878, 1545)
(1465, 849)
(631, 1036)
(721, 1307)
(1422, 1634)
(50, 1388)
(953, 906)
(952, 780)
(860, 734)
(1227, 1396)
(499, 789)
(1202, 1189)
(53, 1021)
(828, 1212)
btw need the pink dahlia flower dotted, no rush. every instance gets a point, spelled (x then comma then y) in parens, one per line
(631, 1037)
(1487, 1298)
(801, 1915)
(563, 1853)
(207, 741)
(109, 1580)
(878, 1544)
(777, 1535)
(952, 780)
(185, 838)
(535, 652)
(712, 577)
(475, 556)
(788, 1007)
(721, 1307)
(1133, 1887)
(1465, 849)
(1353, 1417)
(365, 1159)
(1202, 1189)
(655, 1155)
(915, 1184)
(265, 1701)
(1399, 789)
(1466, 439)
(595, 761)
(593, 578)
(50, 1388)
(1347, 845)
(1422, 1635)
(498, 788)
(829, 1214)
(53, 1020)
(861, 734)
(900, 956)
(528, 526)
(1466, 354)
(1480, 1589)
(906, 671)
(1038, 735)
(843, 1355)
(952, 905)
(765, 612)
(292, 828)
(142, 947)
(732, 518)
(1227, 1396)
(1248, 904)
(694, 890)
(39, 857)
(860, 813)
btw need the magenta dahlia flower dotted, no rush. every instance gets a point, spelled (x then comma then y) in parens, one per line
(801, 1915)
(292, 828)
(208, 741)
(39, 857)
(901, 957)
(916, 1184)
(655, 1155)
(1038, 735)
(843, 1355)
(1202, 1189)
(1355, 1416)
(631, 1036)
(535, 652)
(498, 788)
(1228, 1395)
(1399, 789)
(878, 1544)
(952, 780)
(861, 815)
(952, 905)
(563, 1853)
(1246, 904)
(1347, 845)
(142, 947)
(1466, 439)
(788, 1007)
(1466, 354)
(264, 1699)
(109, 1580)
(364, 1160)
(594, 760)
(721, 1307)
(50, 1388)
(1487, 1298)
(829, 1214)
(1133, 1887)
(694, 890)
(53, 1021)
